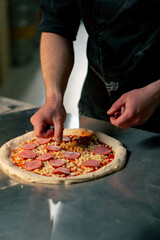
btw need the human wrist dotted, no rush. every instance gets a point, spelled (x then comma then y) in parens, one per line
(154, 90)
(54, 97)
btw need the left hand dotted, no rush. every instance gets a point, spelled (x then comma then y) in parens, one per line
(136, 106)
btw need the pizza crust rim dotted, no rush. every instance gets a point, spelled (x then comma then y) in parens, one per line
(117, 164)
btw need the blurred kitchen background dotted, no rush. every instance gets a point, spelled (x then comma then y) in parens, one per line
(20, 71)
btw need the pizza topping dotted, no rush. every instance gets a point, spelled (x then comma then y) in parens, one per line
(29, 146)
(42, 141)
(53, 148)
(101, 150)
(72, 155)
(32, 165)
(45, 157)
(27, 154)
(61, 170)
(91, 163)
(76, 155)
(57, 162)
(83, 140)
(66, 139)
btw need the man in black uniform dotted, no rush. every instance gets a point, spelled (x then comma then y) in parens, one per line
(123, 67)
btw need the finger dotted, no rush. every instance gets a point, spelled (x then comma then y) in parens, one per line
(50, 132)
(116, 115)
(40, 126)
(40, 130)
(116, 122)
(116, 106)
(123, 121)
(58, 131)
(123, 108)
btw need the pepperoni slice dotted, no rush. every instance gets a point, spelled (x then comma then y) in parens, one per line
(32, 165)
(29, 146)
(102, 150)
(45, 157)
(53, 148)
(66, 139)
(83, 140)
(27, 154)
(91, 163)
(61, 170)
(42, 141)
(57, 162)
(72, 155)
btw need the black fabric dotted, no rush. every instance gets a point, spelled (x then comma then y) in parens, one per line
(95, 100)
(121, 33)
(61, 17)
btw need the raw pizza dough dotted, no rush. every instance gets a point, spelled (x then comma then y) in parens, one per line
(115, 165)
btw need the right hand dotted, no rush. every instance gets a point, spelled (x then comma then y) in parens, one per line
(52, 113)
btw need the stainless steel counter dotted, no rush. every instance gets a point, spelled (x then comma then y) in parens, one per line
(124, 205)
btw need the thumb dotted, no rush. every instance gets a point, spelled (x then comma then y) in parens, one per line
(116, 106)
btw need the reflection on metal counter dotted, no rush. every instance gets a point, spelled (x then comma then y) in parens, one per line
(55, 212)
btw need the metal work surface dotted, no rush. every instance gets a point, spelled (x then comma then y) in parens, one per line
(124, 205)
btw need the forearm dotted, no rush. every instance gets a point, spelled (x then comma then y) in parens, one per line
(154, 90)
(57, 59)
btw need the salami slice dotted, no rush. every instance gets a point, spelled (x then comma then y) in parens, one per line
(45, 157)
(42, 141)
(32, 165)
(66, 139)
(72, 155)
(29, 146)
(27, 154)
(57, 162)
(61, 170)
(83, 140)
(102, 150)
(91, 163)
(53, 148)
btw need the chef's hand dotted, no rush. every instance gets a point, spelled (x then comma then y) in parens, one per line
(135, 107)
(52, 113)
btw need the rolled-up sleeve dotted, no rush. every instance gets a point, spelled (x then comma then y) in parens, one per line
(61, 17)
